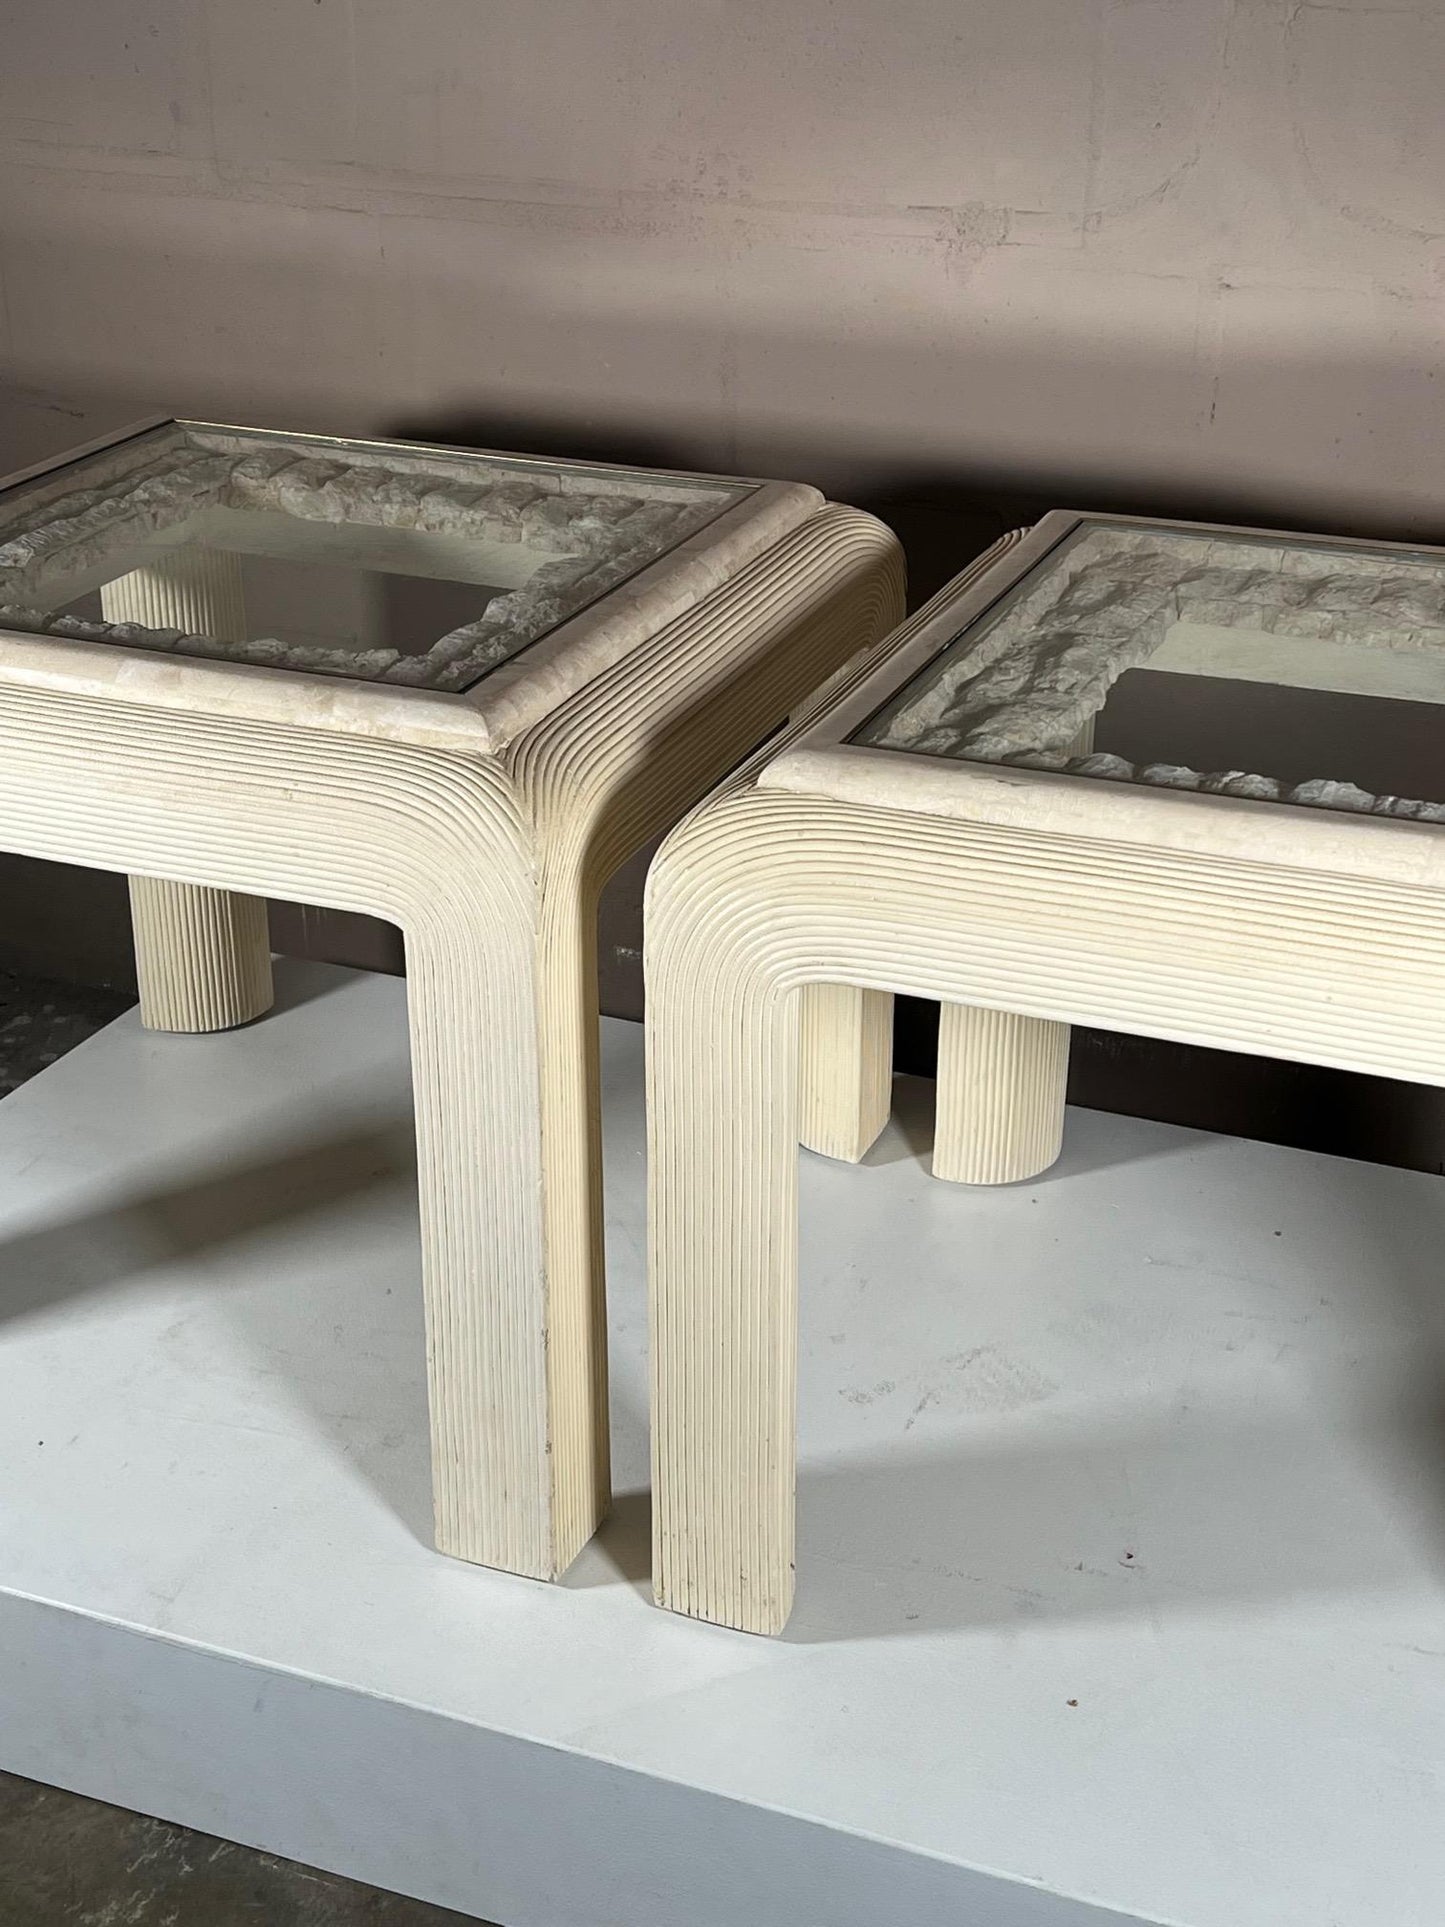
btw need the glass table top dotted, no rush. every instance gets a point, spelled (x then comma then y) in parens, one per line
(380, 561)
(1257, 666)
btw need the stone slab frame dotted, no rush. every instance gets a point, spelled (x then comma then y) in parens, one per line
(1022, 900)
(485, 826)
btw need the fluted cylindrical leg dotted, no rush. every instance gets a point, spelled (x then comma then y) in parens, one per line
(845, 1068)
(1001, 1081)
(203, 957)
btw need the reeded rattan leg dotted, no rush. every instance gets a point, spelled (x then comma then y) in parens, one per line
(1001, 1082)
(846, 1068)
(203, 957)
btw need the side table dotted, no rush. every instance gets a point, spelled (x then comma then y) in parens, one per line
(1175, 780)
(455, 690)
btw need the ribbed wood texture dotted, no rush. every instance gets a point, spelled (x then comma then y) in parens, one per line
(763, 891)
(847, 1075)
(847, 1032)
(1001, 1080)
(492, 867)
(599, 778)
(203, 957)
(435, 842)
(747, 901)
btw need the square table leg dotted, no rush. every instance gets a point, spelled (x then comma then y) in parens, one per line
(504, 1488)
(847, 1068)
(722, 1133)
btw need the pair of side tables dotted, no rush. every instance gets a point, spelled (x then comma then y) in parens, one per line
(1167, 779)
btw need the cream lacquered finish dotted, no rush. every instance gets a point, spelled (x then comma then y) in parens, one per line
(485, 825)
(1023, 901)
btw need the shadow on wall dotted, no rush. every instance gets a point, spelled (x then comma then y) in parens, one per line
(943, 515)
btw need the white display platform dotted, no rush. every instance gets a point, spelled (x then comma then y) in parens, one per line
(1122, 1525)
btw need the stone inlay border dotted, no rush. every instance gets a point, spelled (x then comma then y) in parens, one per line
(1023, 689)
(607, 535)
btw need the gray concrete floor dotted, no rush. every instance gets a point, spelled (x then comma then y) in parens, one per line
(40, 1021)
(66, 1861)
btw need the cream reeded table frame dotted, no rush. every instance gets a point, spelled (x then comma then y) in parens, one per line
(454, 690)
(1174, 780)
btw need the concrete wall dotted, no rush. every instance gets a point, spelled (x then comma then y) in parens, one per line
(955, 260)
(929, 253)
